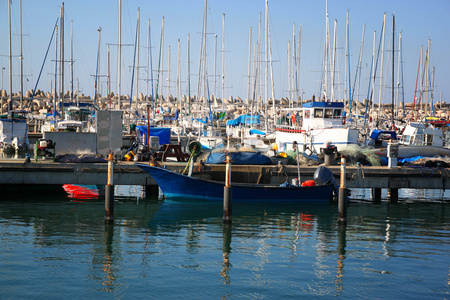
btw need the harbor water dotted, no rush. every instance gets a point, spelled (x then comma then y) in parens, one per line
(54, 247)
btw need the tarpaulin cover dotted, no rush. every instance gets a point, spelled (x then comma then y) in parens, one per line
(162, 132)
(244, 119)
(239, 158)
(376, 133)
(254, 131)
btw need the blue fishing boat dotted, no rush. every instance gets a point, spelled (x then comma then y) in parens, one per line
(181, 187)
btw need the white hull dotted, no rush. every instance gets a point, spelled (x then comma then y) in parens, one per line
(317, 138)
(413, 151)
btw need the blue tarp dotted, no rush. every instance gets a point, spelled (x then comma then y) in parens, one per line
(205, 121)
(376, 133)
(162, 132)
(239, 158)
(244, 119)
(409, 159)
(254, 131)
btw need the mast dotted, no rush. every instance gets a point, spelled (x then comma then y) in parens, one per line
(348, 61)
(62, 58)
(168, 73)
(109, 81)
(71, 60)
(189, 73)
(373, 72)
(369, 90)
(10, 60)
(21, 59)
(393, 64)
(258, 68)
(382, 60)
(266, 53)
(327, 52)
(134, 67)
(398, 72)
(97, 69)
(215, 65)
(298, 67)
(178, 75)
(401, 68)
(289, 72)
(358, 73)
(55, 97)
(161, 46)
(334, 60)
(294, 67)
(119, 55)
(149, 60)
(415, 89)
(223, 57)
(137, 49)
(271, 79)
(249, 65)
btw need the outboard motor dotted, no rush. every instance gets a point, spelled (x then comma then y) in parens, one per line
(323, 175)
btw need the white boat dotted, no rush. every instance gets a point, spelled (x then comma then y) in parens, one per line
(314, 126)
(13, 135)
(422, 134)
(78, 119)
(419, 139)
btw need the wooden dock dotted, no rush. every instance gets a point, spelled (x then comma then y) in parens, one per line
(126, 173)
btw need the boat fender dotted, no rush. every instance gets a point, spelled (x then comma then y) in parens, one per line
(309, 183)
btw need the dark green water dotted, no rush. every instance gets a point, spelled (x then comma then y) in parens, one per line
(52, 247)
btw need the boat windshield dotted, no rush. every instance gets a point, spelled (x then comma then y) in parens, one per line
(318, 113)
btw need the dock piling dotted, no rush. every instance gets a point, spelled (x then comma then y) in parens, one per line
(342, 198)
(109, 192)
(376, 195)
(227, 194)
(393, 195)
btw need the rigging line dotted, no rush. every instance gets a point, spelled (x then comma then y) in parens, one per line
(42, 67)
(134, 63)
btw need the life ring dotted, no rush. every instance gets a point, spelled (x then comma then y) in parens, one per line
(293, 118)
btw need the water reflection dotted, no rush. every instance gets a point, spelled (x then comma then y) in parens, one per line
(269, 250)
(226, 249)
(109, 277)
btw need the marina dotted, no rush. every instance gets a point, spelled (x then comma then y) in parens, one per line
(292, 160)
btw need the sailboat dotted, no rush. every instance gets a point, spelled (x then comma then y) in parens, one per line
(13, 127)
(317, 124)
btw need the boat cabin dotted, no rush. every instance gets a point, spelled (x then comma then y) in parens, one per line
(322, 115)
(422, 134)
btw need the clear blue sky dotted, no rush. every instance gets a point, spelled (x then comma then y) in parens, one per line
(417, 20)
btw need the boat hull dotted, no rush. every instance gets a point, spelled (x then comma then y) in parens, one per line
(342, 138)
(406, 151)
(181, 187)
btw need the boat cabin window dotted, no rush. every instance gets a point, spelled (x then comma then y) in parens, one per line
(318, 113)
(428, 139)
(337, 113)
(307, 114)
(328, 113)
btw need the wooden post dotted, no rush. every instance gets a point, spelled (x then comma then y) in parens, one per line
(342, 200)
(376, 195)
(227, 193)
(393, 195)
(109, 192)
